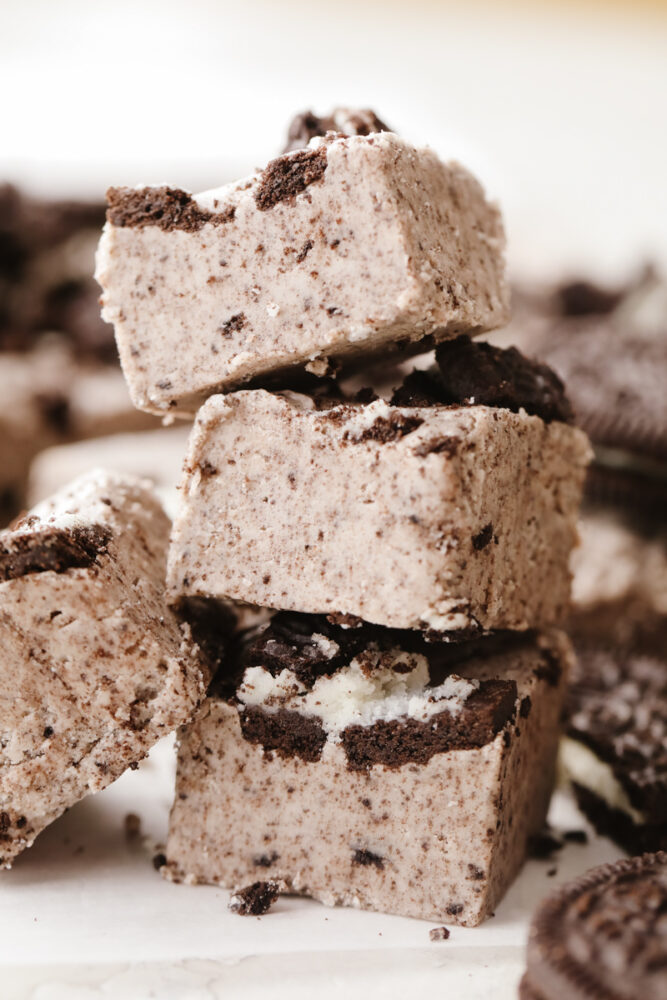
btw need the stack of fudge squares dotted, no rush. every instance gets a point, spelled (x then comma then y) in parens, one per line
(370, 554)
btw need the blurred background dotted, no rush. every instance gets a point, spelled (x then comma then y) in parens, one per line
(560, 108)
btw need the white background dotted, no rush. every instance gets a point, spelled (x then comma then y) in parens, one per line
(561, 110)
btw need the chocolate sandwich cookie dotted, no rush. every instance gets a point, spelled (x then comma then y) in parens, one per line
(614, 751)
(611, 351)
(603, 936)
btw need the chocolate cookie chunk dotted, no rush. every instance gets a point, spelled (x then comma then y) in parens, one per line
(473, 373)
(603, 936)
(254, 900)
(480, 374)
(348, 121)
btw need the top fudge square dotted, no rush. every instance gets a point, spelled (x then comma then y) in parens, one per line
(345, 248)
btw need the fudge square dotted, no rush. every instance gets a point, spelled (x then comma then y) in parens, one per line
(368, 767)
(95, 666)
(421, 515)
(344, 248)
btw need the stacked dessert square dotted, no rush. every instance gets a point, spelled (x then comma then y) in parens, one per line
(386, 738)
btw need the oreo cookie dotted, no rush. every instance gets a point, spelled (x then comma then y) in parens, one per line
(475, 373)
(614, 752)
(610, 349)
(603, 936)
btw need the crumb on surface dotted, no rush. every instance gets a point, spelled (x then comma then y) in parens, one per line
(254, 900)
(438, 934)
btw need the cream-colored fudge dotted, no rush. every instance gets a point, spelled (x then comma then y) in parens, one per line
(95, 667)
(372, 770)
(345, 248)
(428, 517)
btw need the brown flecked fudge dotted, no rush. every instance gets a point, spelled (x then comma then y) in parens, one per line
(444, 509)
(602, 936)
(369, 767)
(95, 667)
(349, 247)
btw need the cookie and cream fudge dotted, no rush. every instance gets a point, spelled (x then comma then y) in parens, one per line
(444, 509)
(369, 767)
(95, 667)
(348, 247)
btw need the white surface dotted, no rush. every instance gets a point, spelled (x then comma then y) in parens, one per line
(85, 915)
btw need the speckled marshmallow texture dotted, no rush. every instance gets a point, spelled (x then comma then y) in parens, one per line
(451, 834)
(466, 520)
(95, 668)
(389, 245)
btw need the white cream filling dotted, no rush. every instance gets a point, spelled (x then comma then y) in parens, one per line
(354, 697)
(366, 416)
(579, 764)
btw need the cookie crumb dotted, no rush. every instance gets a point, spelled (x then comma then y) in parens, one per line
(254, 900)
(438, 934)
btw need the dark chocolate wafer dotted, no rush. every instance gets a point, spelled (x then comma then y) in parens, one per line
(603, 936)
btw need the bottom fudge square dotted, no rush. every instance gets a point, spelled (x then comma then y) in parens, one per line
(368, 767)
(95, 667)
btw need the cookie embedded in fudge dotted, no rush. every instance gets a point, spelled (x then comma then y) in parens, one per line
(346, 121)
(427, 515)
(603, 936)
(95, 667)
(614, 751)
(378, 769)
(351, 246)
